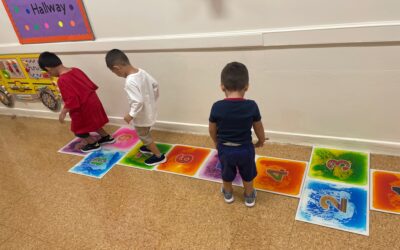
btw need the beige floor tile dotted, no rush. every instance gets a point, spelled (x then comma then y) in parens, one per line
(131, 178)
(23, 181)
(8, 198)
(42, 206)
(19, 180)
(132, 233)
(179, 138)
(358, 242)
(27, 214)
(274, 216)
(21, 241)
(383, 227)
(191, 227)
(252, 233)
(6, 233)
(77, 229)
(309, 236)
(385, 162)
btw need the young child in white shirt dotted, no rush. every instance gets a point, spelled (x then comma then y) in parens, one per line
(143, 92)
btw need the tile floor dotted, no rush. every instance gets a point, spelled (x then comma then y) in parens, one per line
(42, 206)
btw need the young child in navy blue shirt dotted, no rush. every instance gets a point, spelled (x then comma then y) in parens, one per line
(230, 126)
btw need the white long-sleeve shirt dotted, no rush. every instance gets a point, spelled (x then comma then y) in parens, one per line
(143, 93)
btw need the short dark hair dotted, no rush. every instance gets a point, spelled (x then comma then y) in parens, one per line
(235, 76)
(48, 59)
(116, 57)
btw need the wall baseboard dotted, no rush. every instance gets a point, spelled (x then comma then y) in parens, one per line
(373, 146)
(28, 113)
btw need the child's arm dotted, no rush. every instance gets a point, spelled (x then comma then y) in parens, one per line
(156, 90)
(69, 97)
(259, 130)
(63, 114)
(128, 118)
(154, 85)
(212, 129)
(135, 101)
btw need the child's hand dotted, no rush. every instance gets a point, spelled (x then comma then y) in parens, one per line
(62, 116)
(128, 118)
(259, 144)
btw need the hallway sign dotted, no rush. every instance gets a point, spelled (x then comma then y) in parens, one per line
(43, 21)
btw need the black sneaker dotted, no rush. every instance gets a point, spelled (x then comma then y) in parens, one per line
(91, 147)
(154, 160)
(145, 150)
(106, 140)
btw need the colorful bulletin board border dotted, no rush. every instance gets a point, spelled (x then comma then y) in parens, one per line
(43, 21)
(135, 158)
(184, 160)
(337, 206)
(339, 165)
(280, 176)
(212, 171)
(98, 163)
(385, 191)
(74, 146)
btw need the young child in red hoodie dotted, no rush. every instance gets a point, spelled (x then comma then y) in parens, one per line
(80, 101)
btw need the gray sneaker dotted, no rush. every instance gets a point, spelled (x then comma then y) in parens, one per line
(250, 200)
(228, 197)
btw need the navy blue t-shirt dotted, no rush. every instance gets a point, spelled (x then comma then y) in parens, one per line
(234, 118)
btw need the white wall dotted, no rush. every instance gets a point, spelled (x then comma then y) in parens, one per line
(323, 72)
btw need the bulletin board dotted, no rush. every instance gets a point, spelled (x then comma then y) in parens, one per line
(44, 21)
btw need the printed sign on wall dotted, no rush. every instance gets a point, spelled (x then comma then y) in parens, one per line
(40, 21)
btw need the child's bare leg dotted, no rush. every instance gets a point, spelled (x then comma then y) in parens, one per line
(89, 140)
(144, 134)
(154, 149)
(228, 186)
(89, 143)
(248, 187)
(102, 132)
(106, 138)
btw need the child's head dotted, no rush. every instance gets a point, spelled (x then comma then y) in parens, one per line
(118, 62)
(234, 77)
(49, 62)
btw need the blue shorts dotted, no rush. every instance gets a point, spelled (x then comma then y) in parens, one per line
(237, 157)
